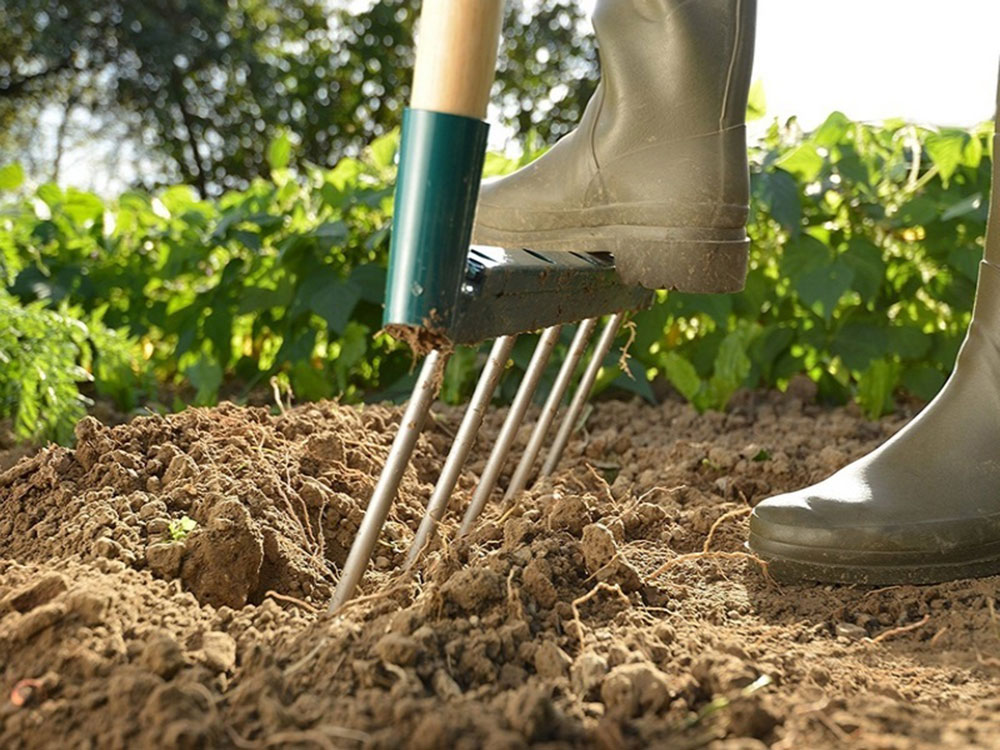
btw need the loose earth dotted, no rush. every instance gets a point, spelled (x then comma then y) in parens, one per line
(164, 584)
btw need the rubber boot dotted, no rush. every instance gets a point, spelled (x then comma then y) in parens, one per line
(656, 171)
(925, 506)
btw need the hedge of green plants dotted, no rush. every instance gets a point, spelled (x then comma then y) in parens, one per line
(862, 274)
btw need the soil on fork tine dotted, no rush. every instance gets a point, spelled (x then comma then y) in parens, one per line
(164, 584)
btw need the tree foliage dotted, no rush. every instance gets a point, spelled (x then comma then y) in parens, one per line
(204, 85)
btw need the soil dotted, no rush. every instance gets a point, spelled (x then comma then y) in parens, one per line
(164, 584)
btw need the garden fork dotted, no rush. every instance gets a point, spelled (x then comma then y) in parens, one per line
(441, 292)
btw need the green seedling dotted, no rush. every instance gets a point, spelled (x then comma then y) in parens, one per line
(721, 702)
(179, 529)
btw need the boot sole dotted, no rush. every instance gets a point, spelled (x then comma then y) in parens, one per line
(792, 563)
(685, 259)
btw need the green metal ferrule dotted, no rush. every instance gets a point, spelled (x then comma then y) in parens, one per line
(440, 166)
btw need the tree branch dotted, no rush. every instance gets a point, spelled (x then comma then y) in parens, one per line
(197, 174)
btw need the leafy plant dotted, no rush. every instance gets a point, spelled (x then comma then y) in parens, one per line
(862, 273)
(179, 528)
(45, 356)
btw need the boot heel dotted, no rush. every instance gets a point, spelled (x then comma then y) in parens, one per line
(700, 266)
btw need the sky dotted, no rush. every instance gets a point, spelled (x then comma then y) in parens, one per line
(933, 62)
(926, 61)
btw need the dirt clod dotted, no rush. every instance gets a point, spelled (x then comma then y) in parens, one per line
(631, 689)
(471, 588)
(222, 564)
(35, 594)
(396, 648)
(218, 651)
(551, 662)
(162, 655)
(165, 558)
(587, 673)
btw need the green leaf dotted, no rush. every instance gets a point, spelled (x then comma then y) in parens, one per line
(206, 376)
(732, 365)
(950, 149)
(944, 351)
(802, 255)
(279, 151)
(875, 387)
(50, 194)
(716, 306)
(11, 176)
(250, 240)
(916, 212)
(681, 375)
(865, 260)
(82, 207)
(908, 342)
(383, 149)
(310, 383)
(219, 331)
(26, 422)
(779, 193)
(823, 287)
(330, 234)
(852, 169)
(297, 346)
(635, 381)
(966, 259)
(756, 101)
(332, 298)
(830, 391)
(179, 529)
(833, 129)
(459, 374)
(353, 348)
(804, 161)
(858, 344)
(770, 344)
(923, 381)
(370, 279)
(701, 352)
(257, 298)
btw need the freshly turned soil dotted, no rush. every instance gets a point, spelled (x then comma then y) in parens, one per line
(164, 584)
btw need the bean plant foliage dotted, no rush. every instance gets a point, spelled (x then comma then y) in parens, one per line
(862, 274)
(866, 243)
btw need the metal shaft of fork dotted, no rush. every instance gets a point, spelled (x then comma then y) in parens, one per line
(547, 342)
(464, 438)
(420, 402)
(582, 392)
(580, 339)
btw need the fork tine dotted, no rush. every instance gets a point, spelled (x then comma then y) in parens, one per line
(382, 497)
(582, 393)
(547, 342)
(466, 436)
(548, 414)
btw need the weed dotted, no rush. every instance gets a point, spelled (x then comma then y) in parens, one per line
(179, 528)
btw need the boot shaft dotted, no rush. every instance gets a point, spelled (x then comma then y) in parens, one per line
(993, 225)
(656, 172)
(686, 62)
